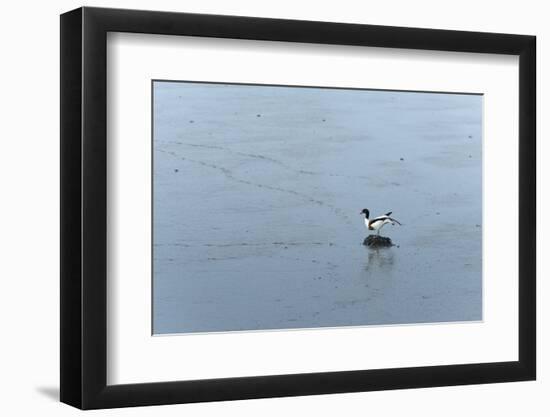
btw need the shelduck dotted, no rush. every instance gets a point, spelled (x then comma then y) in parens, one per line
(378, 222)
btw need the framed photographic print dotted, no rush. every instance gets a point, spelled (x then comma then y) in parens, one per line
(258, 208)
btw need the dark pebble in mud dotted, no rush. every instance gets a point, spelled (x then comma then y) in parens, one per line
(469, 136)
(258, 115)
(376, 241)
(176, 170)
(438, 213)
(401, 159)
(191, 121)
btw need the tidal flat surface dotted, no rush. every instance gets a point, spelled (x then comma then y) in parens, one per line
(256, 201)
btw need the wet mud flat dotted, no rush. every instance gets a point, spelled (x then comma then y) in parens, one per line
(256, 198)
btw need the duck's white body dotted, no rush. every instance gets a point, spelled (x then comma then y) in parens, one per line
(377, 223)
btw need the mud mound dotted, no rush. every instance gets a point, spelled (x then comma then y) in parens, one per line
(376, 241)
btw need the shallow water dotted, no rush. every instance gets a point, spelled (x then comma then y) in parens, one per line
(257, 194)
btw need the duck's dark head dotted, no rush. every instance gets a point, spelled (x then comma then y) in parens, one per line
(365, 212)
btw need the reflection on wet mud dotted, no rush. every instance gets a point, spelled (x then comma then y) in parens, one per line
(380, 260)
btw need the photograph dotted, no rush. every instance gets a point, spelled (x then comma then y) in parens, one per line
(281, 207)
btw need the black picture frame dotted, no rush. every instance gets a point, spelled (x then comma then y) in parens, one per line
(84, 207)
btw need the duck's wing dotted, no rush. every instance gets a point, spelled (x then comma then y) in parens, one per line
(384, 218)
(378, 219)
